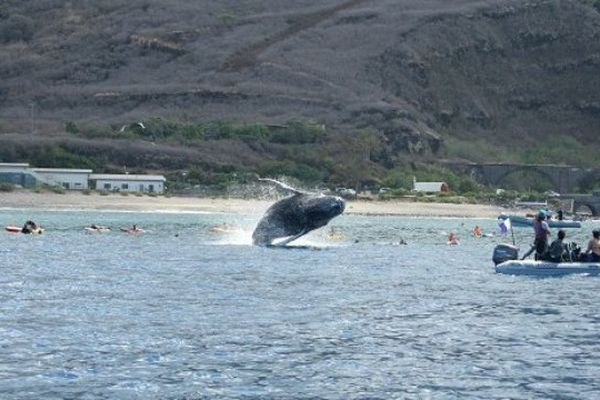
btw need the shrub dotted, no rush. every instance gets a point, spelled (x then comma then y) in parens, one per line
(227, 18)
(57, 189)
(298, 133)
(87, 192)
(6, 187)
(71, 127)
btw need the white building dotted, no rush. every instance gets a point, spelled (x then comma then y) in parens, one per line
(430, 187)
(13, 167)
(70, 179)
(16, 174)
(128, 183)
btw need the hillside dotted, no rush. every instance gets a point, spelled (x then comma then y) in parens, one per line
(388, 82)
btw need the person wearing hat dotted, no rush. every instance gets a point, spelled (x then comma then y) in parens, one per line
(593, 248)
(542, 231)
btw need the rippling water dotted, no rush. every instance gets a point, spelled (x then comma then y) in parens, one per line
(182, 313)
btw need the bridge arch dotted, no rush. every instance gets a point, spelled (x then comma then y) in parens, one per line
(577, 207)
(511, 171)
(588, 181)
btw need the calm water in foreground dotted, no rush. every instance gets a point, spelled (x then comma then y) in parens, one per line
(183, 313)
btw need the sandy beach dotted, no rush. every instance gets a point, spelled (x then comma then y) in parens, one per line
(22, 199)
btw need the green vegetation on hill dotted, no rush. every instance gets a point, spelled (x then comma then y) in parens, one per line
(222, 154)
(559, 149)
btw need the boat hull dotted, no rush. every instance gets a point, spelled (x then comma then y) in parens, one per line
(546, 268)
(522, 222)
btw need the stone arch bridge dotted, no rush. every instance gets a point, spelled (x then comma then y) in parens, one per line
(564, 178)
(591, 201)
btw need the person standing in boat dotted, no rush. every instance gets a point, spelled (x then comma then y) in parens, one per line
(560, 214)
(593, 248)
(542, 231)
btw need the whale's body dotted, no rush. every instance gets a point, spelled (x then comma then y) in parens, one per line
(294, 216)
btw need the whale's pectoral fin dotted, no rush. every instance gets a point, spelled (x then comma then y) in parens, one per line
(291, 238)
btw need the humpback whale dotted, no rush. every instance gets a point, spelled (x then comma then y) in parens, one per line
(295, 216)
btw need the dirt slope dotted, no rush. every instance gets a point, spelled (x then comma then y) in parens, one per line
(414, 71)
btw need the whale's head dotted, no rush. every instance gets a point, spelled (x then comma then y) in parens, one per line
(319, 210)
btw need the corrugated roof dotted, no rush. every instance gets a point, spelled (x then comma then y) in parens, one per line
(7, 164)
(63, 170)
(127, 177)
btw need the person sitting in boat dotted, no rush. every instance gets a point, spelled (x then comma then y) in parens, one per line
(593, 247)
(29, 227)
(559, 250)
(542, 231)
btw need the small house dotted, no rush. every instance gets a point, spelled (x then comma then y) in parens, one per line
(128, 183)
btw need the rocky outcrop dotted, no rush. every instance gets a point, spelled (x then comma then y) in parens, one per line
(520, 70)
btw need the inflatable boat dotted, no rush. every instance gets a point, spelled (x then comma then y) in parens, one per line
(546, 268)
(521, 222)
(506, 258)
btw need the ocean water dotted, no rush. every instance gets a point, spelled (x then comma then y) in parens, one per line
(180, 312)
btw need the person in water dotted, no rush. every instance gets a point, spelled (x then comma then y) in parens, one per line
(593, 248)
(29, 227)
(559, 250)
(477, 231)
(452, 238)
(542, 231)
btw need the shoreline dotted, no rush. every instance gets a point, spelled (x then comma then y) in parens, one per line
(72, 201)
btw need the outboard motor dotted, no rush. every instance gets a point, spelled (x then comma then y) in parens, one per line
(505, 252)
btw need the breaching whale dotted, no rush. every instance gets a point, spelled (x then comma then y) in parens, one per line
(295, 216)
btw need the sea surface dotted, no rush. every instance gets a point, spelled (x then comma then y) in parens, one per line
(180, 312)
